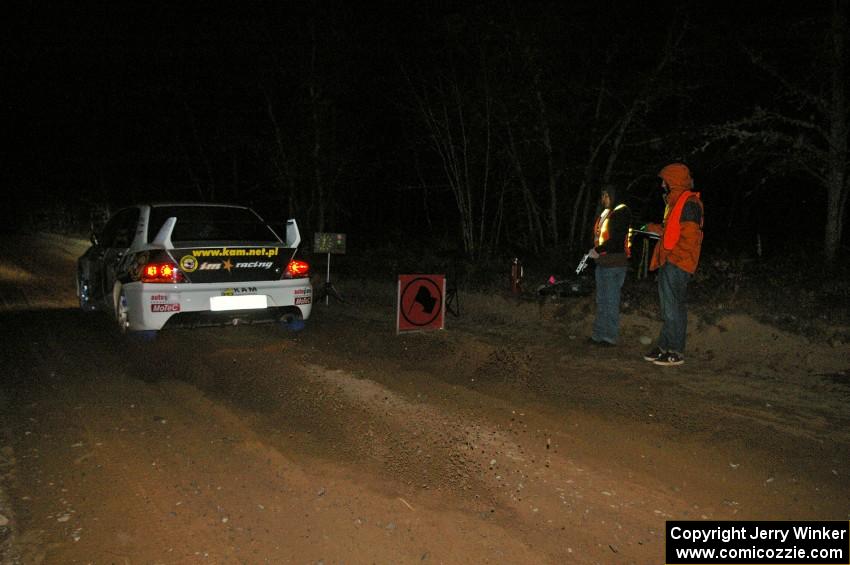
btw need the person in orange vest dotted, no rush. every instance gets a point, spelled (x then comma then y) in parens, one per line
(676, 257)
(611, 250)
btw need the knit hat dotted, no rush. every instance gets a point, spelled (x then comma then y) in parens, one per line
(677, 176)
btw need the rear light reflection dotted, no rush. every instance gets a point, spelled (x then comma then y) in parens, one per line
(161, 273)
(297, 270)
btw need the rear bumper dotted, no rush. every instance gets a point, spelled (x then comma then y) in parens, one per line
(153, 306)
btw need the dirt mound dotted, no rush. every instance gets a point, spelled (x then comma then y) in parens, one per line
(741, 342)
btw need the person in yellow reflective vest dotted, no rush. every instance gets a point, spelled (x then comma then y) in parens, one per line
(611, 250)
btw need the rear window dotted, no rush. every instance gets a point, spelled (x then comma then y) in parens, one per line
(210, 223)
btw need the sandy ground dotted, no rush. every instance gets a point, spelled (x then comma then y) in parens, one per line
(505, 438)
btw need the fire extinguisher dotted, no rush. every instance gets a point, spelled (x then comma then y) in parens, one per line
(516, 276)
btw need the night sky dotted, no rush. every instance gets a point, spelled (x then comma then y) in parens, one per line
(114, 103)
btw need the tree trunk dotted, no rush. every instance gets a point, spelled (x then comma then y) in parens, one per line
(284, 171)
(593, 152)
(449, 133)
(319, 187)
(550, 166)
(319, 197)
(837, 176)
(532, 210)
(488, 104)
(832, 235)
(210, 192)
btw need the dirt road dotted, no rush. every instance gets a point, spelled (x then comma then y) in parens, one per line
(504, 439)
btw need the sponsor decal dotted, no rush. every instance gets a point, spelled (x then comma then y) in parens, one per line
(240, 252)
(165, 307)
(188, 263)
(209, 266)
(303, 300)
(239, 291)
(159, 298)
(299, 291)
(254, 265)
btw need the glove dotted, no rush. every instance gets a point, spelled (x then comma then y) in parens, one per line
(592, 253)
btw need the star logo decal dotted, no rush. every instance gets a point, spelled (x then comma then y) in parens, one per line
(227, 265)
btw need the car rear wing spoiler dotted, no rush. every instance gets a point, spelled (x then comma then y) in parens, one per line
(293, 236)
(163, 237)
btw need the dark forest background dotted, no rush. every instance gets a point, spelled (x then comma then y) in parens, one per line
(474, 129)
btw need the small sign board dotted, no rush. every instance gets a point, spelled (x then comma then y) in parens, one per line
(324, 242)
(421, 303)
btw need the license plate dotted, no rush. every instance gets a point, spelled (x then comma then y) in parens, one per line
(247, 302)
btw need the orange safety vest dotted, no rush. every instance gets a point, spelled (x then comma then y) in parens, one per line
(672, 225)
(601, 233)
(686, 257)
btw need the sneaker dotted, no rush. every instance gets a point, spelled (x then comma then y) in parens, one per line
(670, 358)
(656, 353)
(600, 342)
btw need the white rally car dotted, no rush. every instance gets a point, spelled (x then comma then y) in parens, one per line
(177, 265)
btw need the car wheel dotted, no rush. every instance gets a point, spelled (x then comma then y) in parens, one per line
(292, 321)
(84, 293)
(122, 316)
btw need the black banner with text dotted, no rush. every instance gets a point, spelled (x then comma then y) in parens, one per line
(696, 542)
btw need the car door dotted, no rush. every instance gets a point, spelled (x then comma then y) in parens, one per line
(91, 264)
(116, 243)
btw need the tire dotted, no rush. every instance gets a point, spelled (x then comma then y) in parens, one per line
(122, 316)
(84, 293)
(292, 321)
(122, 319)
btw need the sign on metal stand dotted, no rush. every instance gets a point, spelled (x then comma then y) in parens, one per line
(421, 303)
(329, 243)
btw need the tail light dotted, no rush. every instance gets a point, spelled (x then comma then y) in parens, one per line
(297, 270)
(162, 273)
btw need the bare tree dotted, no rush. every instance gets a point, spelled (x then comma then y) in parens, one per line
(546, 141)
(531, 208)
(317, 149)
(284, 175)
(203, 156)
(803, 130)
(610, 144)
(464, 148)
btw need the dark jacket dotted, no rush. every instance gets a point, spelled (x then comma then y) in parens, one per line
(613, 252)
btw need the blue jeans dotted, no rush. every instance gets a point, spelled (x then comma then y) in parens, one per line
(609, 281)
(673, 293)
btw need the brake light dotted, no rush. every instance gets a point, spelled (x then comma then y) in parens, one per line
(161, 273)
(297, 269)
